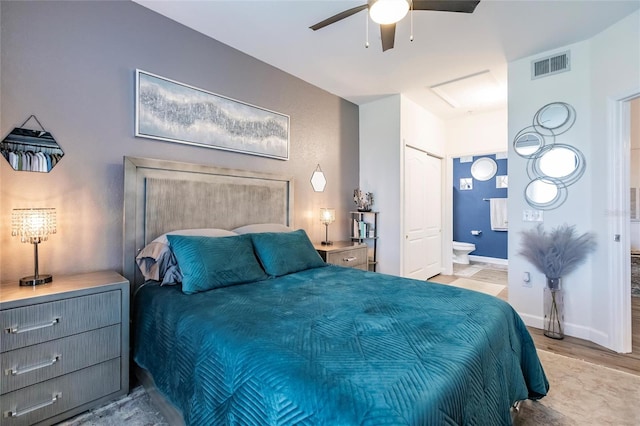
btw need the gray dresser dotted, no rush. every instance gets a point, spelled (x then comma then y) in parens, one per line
(64, 347)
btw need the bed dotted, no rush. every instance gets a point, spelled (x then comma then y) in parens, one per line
(296, 341)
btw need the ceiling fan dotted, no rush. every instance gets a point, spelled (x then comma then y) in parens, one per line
(388, 12)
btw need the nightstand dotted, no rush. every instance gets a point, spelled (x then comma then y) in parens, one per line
(344, 253)
(65, 347)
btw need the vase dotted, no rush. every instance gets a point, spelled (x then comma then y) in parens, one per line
(553, 309)
(363, 200)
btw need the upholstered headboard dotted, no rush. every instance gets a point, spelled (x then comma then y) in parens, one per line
(162, 196)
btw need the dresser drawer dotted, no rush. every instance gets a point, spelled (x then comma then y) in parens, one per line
(42, 322)
(351, 258)
(33, 364)
(52, 397)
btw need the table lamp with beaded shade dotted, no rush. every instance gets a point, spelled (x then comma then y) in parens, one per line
(34, 226)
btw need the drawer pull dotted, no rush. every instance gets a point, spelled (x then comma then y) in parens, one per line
(16, 330)
(17, 371)
(54, 398)
(350, 259)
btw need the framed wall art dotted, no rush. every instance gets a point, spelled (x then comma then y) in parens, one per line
(176, 112)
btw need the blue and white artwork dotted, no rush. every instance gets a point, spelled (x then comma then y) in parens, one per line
(176, 112)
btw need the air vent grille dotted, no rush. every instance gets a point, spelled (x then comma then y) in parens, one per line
(550, 65)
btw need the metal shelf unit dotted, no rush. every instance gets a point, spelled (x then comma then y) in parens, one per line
(364, 230)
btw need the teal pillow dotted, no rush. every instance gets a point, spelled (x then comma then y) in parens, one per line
(283, 253)
(213, 262)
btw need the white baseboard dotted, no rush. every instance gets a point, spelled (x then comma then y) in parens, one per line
(532, 320)
(492, 260)
(572, 330)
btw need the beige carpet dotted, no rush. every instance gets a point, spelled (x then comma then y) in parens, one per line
(582, 393)
(481, 286)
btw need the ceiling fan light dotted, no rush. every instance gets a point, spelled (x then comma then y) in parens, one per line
(386, 12)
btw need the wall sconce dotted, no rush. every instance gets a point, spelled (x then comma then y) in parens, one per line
(327, 216)
(318, 181)
(34, 226)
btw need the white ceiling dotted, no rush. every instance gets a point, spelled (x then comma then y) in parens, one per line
(446, 45)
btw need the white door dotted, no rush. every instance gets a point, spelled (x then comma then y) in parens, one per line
(422, 257)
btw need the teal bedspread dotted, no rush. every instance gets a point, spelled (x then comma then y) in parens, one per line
(336, 346)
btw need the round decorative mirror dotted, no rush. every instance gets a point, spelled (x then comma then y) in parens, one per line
(560, 161)
(528, 142)
(484, 168)
(545, 193)
(554, 118)
(551, 167)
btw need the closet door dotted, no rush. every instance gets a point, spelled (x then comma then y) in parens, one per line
(422, 257)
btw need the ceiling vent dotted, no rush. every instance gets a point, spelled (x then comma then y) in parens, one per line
(551, 65)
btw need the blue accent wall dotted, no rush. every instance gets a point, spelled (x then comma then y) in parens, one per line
(471, 212)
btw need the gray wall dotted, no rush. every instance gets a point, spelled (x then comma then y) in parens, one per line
(72, 65)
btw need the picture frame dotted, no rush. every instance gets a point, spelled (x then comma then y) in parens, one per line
(171, 111)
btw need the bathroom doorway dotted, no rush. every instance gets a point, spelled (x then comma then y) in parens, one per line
(479, 208)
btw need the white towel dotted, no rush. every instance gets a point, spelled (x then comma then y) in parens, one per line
(499, 220)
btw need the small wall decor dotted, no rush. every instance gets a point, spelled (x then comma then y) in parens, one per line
(466, 184)
(318, 180)
(176, 112)
(31, 150)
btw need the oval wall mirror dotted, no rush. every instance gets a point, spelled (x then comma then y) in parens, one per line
(541, 192)
(545, 193)
(528, 142)
(554, 118)
(560, 161)
(484, 168)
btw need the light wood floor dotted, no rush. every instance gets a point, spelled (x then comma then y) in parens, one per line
(589, 351)
(582, 349)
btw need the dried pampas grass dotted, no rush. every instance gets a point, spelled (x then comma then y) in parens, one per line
(556, 253)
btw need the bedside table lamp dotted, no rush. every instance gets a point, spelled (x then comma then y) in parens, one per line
(34, 226)
(327, 216)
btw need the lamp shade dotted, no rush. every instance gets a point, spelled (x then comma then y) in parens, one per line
(386, 12)
(33, 225)
(327, 216)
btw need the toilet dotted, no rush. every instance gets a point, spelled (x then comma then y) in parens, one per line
(461, 252)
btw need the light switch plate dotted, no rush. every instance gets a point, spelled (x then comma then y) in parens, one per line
(532, 216)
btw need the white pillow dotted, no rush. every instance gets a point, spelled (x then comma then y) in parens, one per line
(157, 262)
(262, 227)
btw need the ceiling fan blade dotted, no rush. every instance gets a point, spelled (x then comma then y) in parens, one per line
(338, 17)
(465, 6)
(388, 35)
